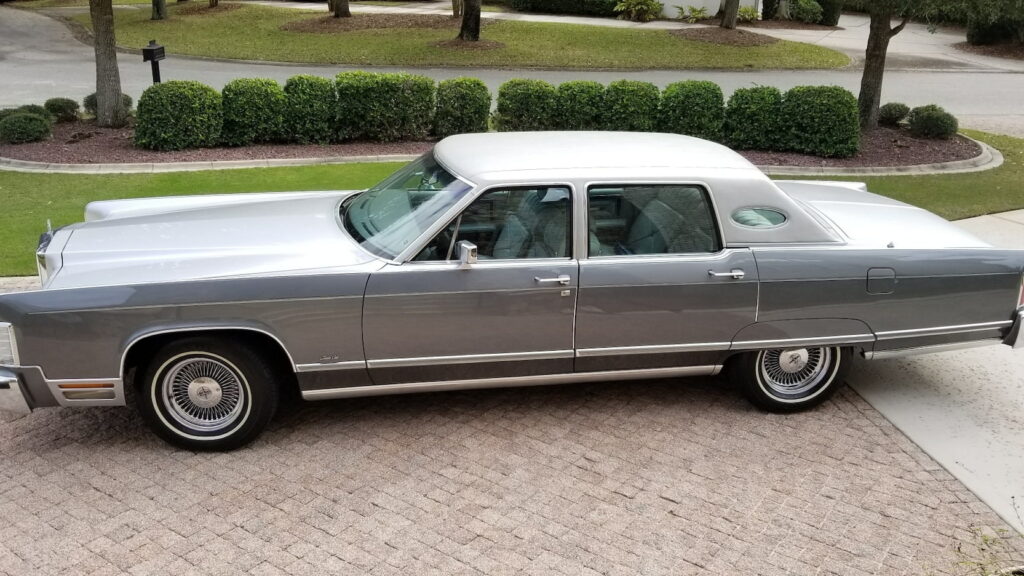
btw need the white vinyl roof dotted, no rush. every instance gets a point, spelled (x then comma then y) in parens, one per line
(470, 154)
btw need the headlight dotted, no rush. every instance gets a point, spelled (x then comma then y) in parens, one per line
(8, 347)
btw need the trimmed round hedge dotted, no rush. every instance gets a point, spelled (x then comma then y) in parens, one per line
(526, 105)
(24, 127)
(821, 120)
(463, 106)
(753, 119)
(831, 10)
(693, 107)
(580, 105)
(179, 114)
(253, 111)
(932, 121)
(384, 107)
(311, 106)
(631, 106)
(892, 114)
(62, 109)
(808, 11)
(89, 103)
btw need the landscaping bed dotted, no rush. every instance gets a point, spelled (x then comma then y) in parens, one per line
(883, 148)
(1010, 50)
(83, 142)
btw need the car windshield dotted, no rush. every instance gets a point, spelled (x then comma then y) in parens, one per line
(389, 217)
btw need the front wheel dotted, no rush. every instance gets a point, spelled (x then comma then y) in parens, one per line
(791, 379)
(207, 394)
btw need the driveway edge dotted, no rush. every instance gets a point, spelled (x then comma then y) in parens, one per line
(989, 159)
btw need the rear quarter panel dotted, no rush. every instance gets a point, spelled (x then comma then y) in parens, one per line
(936, 294)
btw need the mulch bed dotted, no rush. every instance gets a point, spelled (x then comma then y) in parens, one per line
(883, 147)
(200, 8)
(457, 44)
(84, 143)
(1011, 50)
(774, 24)
(331, 25)
(724, 36)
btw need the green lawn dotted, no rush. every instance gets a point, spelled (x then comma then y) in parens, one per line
(36, 4)
(30, 199)
(253, 32)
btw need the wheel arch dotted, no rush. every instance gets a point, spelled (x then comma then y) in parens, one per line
(143, 345)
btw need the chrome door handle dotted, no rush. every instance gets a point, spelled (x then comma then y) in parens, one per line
(734, 273)
(563, 280)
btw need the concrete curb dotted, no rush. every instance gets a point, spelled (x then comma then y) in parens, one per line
(989, 159)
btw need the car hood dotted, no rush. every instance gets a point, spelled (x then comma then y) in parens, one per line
(192, 237)
(870, 220)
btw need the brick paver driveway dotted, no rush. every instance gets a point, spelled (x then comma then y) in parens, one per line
(669, 477)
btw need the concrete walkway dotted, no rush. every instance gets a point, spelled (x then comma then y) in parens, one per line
(965, 408)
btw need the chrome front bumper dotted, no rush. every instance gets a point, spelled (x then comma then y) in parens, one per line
(1015, 337)
(12, 396)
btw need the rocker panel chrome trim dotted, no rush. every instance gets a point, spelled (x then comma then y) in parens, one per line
(655, 349)
(903, 352)
(386, 389)
(469, 359)
(939, 330)
(325, 367)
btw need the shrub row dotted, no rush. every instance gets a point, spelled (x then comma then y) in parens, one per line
(309, 109)
(820, 120)
(577, 7)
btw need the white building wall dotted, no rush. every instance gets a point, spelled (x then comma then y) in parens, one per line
(711, 5)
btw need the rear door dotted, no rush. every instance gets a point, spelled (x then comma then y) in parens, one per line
(657, 289)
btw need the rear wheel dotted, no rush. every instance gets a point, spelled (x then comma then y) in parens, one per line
(791, 379)
(208, 394)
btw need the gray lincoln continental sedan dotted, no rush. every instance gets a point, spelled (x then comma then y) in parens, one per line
(507, 259)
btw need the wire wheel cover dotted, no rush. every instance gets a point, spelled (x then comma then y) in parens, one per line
(203, 393)
(794, 371)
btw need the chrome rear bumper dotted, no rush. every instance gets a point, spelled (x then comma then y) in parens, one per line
(1015, 337)
(12, 397)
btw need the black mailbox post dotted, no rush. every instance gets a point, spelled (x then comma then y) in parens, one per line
(153, 54)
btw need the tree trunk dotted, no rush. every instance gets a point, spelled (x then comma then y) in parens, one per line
(110, 110)
(214, 3)
(340, 9)
(159, 10)
(470, 29)
(457, 8)
(783, 11)
(730, 14)
(874, 65)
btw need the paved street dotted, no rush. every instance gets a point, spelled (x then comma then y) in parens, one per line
(40, 59)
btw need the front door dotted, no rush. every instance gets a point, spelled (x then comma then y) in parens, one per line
(657, 289)
(508, 315)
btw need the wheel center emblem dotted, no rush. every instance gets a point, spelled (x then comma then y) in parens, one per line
(792, 361)
(204, 392)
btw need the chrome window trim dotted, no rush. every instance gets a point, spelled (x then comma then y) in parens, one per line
(406, 257)
(784, 342)
(469, 359)
(715, 216)
(329, 366)
(653, 349)
(15, 356)
(514, 381)
(665, 258)
(940, 330)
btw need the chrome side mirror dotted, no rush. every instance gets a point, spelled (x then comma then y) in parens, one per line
(467, 253)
